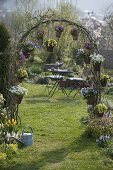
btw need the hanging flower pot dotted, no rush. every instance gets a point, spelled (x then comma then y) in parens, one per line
(100, 109)
(17, 93)
(90, 101)
(40, 35)
(16, 99)
(20, 79)
(104, 79)
(88, 48)
(50, 44)
(40, 42)
(96, 66)
(50, 48)
(58, 34)
(87, 59)
(59, 29)
(74, 32)
(75, 36)
(21, 74)
(103, 83)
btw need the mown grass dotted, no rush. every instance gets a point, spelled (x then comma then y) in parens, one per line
(59, 143)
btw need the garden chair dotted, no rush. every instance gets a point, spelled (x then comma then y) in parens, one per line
(51, 78)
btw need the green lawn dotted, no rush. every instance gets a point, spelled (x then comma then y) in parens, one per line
(59, 143)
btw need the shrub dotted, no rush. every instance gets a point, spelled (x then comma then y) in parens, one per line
(100, 126)
(4, 37)
(100, 109)
(22, 73)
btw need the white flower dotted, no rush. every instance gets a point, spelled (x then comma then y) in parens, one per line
(97, 58)
(18, 90)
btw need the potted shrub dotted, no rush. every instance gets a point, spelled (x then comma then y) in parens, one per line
(100, 109)
(21, 74)
(74, 32)
(17, 93)
(97, 60)
(59, 29)
(50, 43)
(90, 95)
(40, 35)
(103, 79)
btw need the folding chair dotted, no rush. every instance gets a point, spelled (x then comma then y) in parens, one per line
(52, 78)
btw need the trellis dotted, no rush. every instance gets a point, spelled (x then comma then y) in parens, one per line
(96, 74)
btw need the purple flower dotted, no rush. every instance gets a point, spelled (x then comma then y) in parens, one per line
(59, 28)
(40, 34)
(22, 57)
(88, 46)
(74, 31)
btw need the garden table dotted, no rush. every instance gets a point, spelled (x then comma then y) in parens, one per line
(58, 75)
(75, 83)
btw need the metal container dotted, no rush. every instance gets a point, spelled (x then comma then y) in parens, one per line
(27, 138)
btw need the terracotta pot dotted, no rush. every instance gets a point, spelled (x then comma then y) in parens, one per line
(99, 114)
(103, 83)
(89, 51)
(40, 41)
(50, 48)
(16, 99)
(20, 80)
(91, 101)
(58, 34)
(87, 60)
(75, 36)
(96, 66)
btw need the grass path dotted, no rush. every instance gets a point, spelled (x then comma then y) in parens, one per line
(59, 143)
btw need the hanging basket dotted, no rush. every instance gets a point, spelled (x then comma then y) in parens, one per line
(20, 79)
(91, 101)
(87, 59)
(89, 51)
(96, 66)
(103, 83)
(40, 41)
(58, 34)
(16, 99)
(74, 36)
(50, 48)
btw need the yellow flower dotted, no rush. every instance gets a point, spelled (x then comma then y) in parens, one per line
(9, 121)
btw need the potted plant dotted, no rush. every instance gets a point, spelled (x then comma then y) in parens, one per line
(17, 93)
(27, 49)
(97, 60)
(79, 56)
(90, 95)
(88, 48)
(40, 35)
(103, 79)
(74, 32)
(59, 29)
(21, 74)
(100, 109)
(50, 43)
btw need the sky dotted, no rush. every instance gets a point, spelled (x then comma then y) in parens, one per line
(98, 6)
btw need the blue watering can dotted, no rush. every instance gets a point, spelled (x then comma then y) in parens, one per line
(25, 137)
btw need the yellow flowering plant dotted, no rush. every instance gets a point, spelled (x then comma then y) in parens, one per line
(22, 73)
(10, 124)
(50, 42)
